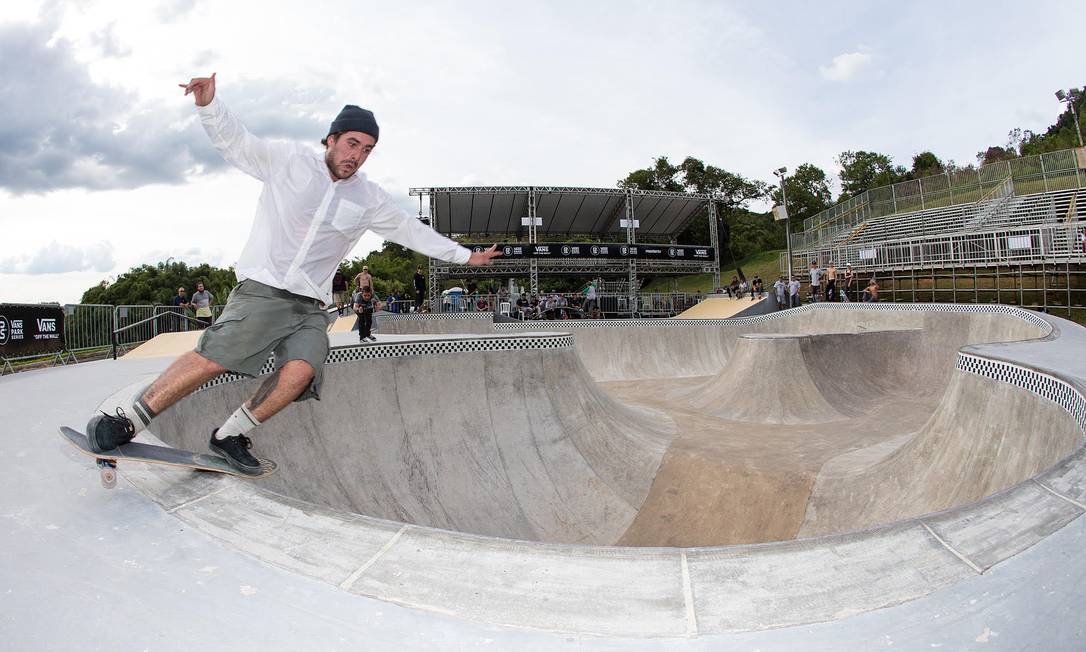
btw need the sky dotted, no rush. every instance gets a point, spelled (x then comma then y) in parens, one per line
(104, 166)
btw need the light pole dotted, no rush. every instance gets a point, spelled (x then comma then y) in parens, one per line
(780, 172)
(1069, 98)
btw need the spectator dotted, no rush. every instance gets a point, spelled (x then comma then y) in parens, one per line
(363, 279)
(742, 291)
(871, 292)
(850, 280)
(590, 296)
(392, 304)
(733, 288)
(180, 305)
(339, 291)
(756, 290)
(202, 301)
(420, 287)
(596, 314)
(780, 289)
(364, 303)
(816, 281)
(831, 283)
(481, 305)
(793, 293)
(522, 306)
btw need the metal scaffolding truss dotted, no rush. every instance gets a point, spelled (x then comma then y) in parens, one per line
(604, 215)
(571, 268)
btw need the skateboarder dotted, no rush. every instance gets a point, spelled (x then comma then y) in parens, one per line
(313, 209)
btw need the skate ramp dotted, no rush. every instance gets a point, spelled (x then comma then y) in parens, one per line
(165, 345)
(716, 308)
(651, 434)
(520, 444)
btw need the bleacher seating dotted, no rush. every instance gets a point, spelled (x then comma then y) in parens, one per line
(993, 213)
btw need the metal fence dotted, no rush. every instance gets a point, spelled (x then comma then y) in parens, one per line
(87, 326)
(1061, 170)
(1032, 244)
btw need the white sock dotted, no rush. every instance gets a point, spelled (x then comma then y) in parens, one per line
(140, 414)
(238, 423)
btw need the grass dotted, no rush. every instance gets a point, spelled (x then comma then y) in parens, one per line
(765, 264)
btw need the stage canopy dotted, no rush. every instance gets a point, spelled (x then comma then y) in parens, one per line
(562, 212)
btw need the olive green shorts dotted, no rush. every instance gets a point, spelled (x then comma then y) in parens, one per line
(259, 320)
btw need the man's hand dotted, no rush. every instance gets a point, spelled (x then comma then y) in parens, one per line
(483, 257)
(203, 88)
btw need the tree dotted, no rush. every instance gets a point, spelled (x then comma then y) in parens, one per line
(862, 171)
(158, 283)
(733, 194)
(994, 154)
(808, 190)
(926, 164)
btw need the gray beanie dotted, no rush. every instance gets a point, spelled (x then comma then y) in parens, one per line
(353, 118)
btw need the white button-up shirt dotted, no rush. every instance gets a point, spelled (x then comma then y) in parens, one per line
(306, 223)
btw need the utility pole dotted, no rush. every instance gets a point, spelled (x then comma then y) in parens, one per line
(787, 220)
(1069, 98)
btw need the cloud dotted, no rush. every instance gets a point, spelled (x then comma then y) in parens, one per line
(171, 10)
(846, 66)
(106, 40)
(80, 134)
(57, 258)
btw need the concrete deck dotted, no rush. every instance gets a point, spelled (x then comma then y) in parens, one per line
(996, 572)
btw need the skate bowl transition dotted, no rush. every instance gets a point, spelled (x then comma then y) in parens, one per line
(659, 477)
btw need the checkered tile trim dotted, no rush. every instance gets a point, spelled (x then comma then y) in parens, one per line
(432, 347)
(1049, 387)
(430, 316)
(574, 324)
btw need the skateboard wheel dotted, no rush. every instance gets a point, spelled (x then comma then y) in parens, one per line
(108, 472)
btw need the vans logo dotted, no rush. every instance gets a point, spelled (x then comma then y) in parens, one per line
(47, 325)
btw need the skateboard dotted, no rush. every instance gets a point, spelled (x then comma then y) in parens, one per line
(148, 453)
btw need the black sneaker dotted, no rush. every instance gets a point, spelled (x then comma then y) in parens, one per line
(373, 338)
(235, 450)
(106, 431)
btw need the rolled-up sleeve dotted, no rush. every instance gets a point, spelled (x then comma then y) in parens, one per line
(394, 223)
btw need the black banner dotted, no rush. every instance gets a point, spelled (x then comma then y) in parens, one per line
(544, 250)
(28, 329)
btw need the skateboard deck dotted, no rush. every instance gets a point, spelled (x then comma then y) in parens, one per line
(151, 454)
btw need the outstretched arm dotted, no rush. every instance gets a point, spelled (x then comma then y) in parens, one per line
(253, 156)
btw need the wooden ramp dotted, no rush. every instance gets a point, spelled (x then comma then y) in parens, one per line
(717, 308)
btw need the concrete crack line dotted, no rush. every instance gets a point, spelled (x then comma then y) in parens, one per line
(688, 598)
(1061, 496)
(196, 500)
(347, 583)
(952, 550)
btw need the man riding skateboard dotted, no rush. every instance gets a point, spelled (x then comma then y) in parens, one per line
(313, 209)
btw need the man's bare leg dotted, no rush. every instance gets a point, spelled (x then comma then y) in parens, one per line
(280, 389)
(180, 379)
(184, 376)
(276, 392)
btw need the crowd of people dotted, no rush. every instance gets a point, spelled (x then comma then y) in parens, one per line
(826, 284)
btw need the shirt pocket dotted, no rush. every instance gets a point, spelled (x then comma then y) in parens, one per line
(347, 218)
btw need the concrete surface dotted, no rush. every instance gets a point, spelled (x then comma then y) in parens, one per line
(995, 572)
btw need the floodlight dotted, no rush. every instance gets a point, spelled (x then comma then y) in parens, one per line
(1060, 95)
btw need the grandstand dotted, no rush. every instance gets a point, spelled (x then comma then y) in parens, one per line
(1009, 232)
